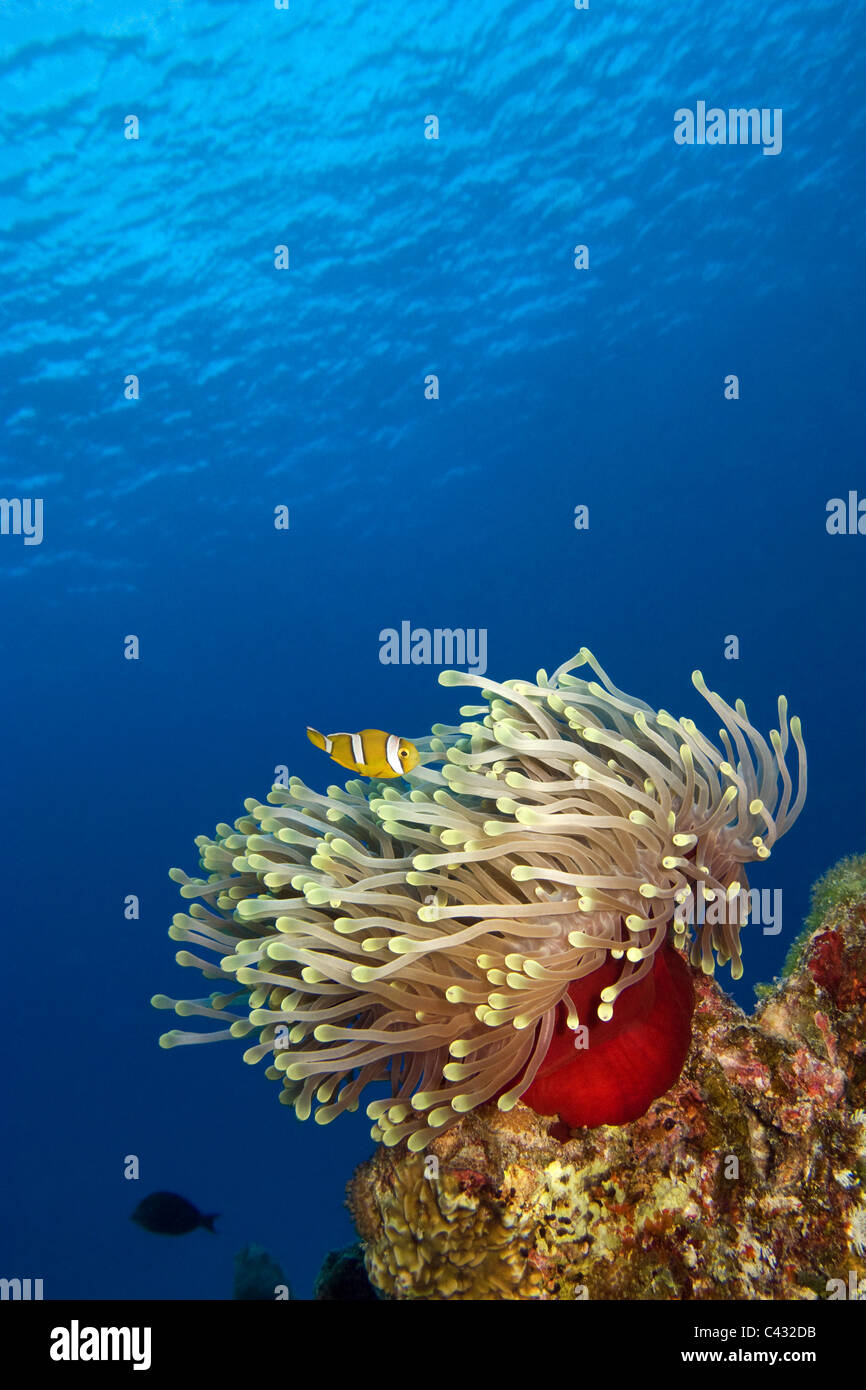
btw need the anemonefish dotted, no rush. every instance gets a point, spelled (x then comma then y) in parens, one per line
(371, 752)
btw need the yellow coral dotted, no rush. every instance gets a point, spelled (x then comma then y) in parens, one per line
(440, 1238)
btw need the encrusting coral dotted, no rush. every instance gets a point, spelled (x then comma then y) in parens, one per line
(510, 926)
(746, 1180)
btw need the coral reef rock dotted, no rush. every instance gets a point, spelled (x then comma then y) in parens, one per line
(343, 1278)
(258, 1277)
(746, 1180)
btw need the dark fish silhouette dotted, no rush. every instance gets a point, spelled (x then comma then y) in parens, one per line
(167, 1214)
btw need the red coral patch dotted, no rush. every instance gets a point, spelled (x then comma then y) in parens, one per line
(825, 961)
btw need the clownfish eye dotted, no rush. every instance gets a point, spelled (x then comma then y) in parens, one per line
(404, 752)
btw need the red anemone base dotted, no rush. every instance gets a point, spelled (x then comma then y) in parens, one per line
(630, 1061)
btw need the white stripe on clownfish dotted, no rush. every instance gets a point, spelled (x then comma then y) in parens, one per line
(392, 754)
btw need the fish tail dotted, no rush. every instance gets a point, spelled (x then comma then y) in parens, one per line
(318, 740)
(207, 1219)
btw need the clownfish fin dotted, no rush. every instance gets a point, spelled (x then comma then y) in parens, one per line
(318, 740)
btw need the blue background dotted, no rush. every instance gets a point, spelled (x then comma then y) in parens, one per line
(305, 388)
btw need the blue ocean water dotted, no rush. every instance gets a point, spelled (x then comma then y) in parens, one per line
(305, 388)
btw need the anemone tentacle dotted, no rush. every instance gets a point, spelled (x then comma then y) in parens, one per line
(426, 938)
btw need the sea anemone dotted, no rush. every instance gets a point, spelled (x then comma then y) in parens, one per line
(510, 926)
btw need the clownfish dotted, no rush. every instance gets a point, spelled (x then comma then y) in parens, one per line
(371, 752)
